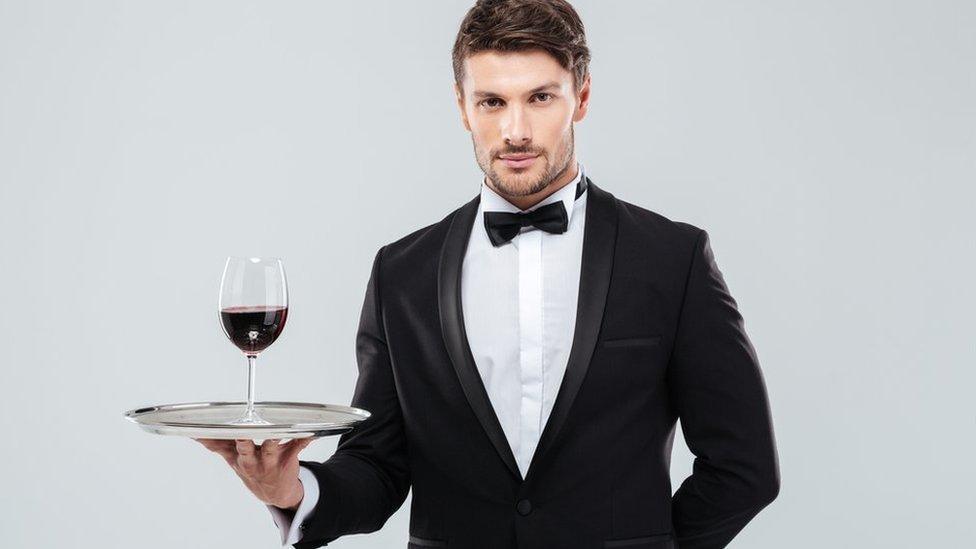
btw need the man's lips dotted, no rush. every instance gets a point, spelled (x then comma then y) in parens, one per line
(519, 160)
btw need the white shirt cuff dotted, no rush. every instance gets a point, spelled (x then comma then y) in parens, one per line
(289, 527)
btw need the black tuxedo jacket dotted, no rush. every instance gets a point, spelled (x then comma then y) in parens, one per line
(658, 337)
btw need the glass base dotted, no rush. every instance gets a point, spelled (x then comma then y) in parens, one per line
(252, 418)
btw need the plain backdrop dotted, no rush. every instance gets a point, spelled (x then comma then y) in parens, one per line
(828, 147)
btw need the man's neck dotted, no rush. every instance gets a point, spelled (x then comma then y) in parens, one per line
(529, 200)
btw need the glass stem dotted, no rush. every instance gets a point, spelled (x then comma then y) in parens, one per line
(251, 371)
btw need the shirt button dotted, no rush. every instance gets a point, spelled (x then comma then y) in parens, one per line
(524, 507)
(303, 526)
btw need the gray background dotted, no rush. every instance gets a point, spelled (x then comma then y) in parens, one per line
(828, 147)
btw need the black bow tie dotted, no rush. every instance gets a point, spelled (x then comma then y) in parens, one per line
(503, 226)
(552, 218)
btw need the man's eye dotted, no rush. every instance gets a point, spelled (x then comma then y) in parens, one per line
(547, 98)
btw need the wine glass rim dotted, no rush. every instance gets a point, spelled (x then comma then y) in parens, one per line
(255, 258)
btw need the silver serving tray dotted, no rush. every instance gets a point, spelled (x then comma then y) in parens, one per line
(212, 420)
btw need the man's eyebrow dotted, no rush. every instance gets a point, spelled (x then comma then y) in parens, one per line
(546, 86)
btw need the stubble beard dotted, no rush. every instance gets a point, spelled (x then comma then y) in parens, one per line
(517, 185)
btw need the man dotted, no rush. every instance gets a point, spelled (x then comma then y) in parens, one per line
(525, 358)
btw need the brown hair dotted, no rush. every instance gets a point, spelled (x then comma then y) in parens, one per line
(519, 25)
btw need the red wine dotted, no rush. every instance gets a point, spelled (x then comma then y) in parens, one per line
(253, 328)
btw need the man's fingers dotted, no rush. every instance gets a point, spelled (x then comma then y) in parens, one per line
(225, 448)
(245, 447)
(247, 458)
(246, 455)
(271, 448)
(296, 445)
(210, 443)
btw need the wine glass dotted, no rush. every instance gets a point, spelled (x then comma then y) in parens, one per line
(253, 307)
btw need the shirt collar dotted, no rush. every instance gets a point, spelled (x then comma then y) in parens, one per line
(493, 202)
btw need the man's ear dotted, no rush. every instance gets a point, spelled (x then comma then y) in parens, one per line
(583, 101)
(460, 102)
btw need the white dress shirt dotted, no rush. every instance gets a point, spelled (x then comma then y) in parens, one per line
(290, 534)
(519, 305)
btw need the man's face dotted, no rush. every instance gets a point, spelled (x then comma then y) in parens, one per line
(520, 103)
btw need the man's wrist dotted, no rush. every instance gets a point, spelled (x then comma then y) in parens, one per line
(290, 505)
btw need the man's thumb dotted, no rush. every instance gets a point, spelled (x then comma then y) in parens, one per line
(297, 445)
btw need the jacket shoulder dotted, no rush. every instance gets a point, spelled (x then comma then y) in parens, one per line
(656, 224)
(419, 245)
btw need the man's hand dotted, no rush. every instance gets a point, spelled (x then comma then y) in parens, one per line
(270, 471)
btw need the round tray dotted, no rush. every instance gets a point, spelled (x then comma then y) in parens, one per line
(212, 420)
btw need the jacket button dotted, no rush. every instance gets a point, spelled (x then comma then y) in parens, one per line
(524, 507)
(303, 526)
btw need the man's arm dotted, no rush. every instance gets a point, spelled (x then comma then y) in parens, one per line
(717, 388)
(367, 478)
(289, 520)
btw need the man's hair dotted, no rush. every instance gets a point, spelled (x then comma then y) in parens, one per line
(520, 25)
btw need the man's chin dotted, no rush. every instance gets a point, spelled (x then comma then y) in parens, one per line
(518, 189)
(520, 185)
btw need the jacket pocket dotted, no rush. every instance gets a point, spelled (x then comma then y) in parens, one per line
(657, 541)
(418, 542)
(628, 341)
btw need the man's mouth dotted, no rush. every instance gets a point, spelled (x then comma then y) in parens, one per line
(518, 160)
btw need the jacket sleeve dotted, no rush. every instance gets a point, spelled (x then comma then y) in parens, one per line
(717, 388)
(367, 478)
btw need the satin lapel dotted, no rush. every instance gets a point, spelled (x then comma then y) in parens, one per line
(455, 338)
(599, 238)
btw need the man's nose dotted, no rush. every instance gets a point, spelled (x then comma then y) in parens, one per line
(516, 128)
